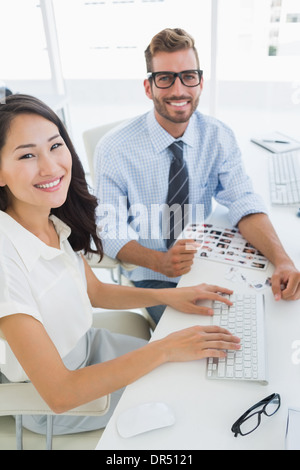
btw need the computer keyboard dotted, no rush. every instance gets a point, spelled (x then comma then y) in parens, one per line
(284, 178)
(244, 319)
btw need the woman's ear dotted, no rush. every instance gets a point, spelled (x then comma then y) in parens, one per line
(2, 182)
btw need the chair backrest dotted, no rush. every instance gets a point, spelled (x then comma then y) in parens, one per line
(91, 138)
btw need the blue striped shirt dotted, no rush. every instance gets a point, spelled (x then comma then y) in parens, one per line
(131, 173)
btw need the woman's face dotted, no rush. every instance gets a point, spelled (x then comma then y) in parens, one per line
(35, 164)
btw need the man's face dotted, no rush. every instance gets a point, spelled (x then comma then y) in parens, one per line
(175, 105)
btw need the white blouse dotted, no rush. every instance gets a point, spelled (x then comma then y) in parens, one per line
(47, 283)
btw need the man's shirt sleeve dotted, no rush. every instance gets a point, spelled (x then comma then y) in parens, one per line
(235, 189)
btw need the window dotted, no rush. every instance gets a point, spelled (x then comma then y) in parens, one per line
(106, 39)
(257, 42)
(293, 18)
(24, 54)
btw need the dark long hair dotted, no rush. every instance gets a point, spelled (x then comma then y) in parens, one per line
(79, 209)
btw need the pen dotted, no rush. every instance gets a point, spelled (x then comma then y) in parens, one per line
(277, 141)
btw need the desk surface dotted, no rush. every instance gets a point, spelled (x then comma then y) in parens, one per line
(206, 409)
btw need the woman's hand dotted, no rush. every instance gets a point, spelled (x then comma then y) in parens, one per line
(198, 342)
(188, 299)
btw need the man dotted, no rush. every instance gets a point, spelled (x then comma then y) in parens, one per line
(132, 174)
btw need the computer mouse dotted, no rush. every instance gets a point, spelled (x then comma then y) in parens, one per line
(143, 418)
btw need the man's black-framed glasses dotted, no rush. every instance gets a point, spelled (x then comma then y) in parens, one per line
(188, 78)
(251, 419)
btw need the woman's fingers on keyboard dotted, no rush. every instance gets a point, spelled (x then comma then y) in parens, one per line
(220, 348)
(222, 290)
(212, 292)
(215, 289)
(215, 353)
(220, 338)
(216, 329)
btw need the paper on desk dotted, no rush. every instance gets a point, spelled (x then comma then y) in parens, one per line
(234, 274)
(292, 438)
(225, 245)
(276, 142)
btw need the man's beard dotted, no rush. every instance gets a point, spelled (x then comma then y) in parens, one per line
(179, 117)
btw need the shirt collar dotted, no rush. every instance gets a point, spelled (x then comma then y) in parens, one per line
(30, 247)
(161, 139)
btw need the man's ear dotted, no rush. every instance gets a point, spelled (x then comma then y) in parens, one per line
(148, 89)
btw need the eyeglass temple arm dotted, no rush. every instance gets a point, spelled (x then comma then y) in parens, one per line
(235, 426)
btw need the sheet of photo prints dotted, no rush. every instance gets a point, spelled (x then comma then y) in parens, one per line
(226, 245)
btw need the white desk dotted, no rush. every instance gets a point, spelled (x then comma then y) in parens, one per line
(206, 409)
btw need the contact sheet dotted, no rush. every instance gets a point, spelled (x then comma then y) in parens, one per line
(226, 245)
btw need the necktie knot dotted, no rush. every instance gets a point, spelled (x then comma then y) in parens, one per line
(177, 150)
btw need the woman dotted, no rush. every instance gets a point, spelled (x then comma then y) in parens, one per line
(47, 223)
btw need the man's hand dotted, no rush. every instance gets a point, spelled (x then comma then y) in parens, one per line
(258, 230)
(178, 259)
(175, 262)
(286, 282)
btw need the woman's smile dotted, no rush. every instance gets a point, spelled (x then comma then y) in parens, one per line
(53, 185)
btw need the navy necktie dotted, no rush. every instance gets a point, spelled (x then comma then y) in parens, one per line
(178, 192)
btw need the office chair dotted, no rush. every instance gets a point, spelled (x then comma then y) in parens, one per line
(91, 138)
(18, 399)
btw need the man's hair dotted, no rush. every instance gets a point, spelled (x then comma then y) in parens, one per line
(169, 40)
